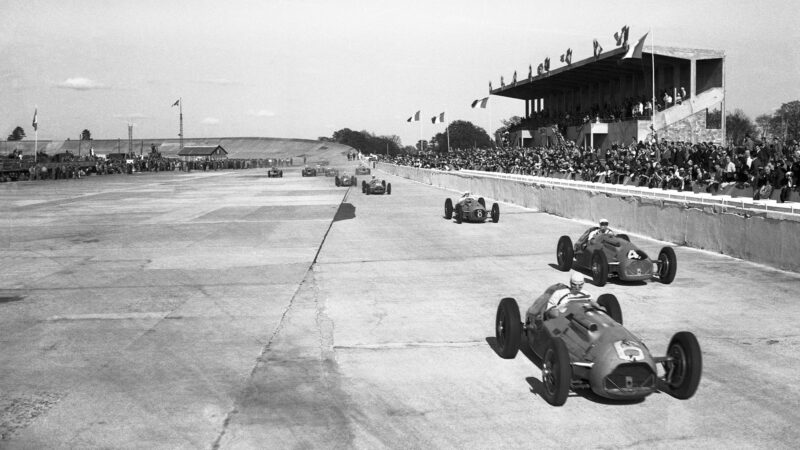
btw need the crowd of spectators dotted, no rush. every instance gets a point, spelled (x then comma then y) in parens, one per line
(764, 166)
(15, 167)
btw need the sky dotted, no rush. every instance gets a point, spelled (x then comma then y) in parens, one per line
(306, 68)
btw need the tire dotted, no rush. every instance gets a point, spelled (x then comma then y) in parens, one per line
(564, 253)
(507, 328)
(684, 371)
(495, 212)
(280, 174)
(599, 268)
(354, 182)
(482, 201)
(336, 180)
(389, 189)
(458, 212)
(448, 209)
(363, 187)
(668, 265)
(624, 237)
(610, 303)
(383, 182)
(556, 373)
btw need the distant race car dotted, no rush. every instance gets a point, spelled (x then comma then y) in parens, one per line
(362, 170)
(346, 180)
(584, 345)
(331, 172)
(309, 172)
(609, 255)
(273, 172)
(470, 208)
(376, 186)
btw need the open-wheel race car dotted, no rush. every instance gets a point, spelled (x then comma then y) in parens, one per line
(362, 170)
(309, 172)
(346, 180)
(331, 172)
(607, 255)
(470, 208)
(376, 186)
(583, 345)
(274, 172)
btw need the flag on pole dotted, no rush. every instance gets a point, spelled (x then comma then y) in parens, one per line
(598, 49)
(177, 102)
(481, 102)
(440, 117)
(621, 36)
(636, 50)
(35, 122)
(414, 118)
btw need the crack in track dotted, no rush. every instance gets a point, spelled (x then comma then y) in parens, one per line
(279, 327)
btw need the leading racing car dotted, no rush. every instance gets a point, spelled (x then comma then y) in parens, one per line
(309, 172)
(608, 254)
(346, 180)
(471, 209)
(362, 170)
(376, 186)
(584, 345)
(274, 172)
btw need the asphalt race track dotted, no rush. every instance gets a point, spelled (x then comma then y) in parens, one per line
(176, 310)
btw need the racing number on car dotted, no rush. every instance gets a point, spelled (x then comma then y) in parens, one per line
(479, 213)
(632, 254)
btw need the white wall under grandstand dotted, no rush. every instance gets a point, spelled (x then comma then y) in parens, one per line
(759, 231)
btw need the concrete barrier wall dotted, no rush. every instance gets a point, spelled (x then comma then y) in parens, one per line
(772, 240)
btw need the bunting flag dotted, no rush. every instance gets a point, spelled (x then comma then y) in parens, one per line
(597, 48)
(514, 80)
(621, 36)
(547, 64)
(502, 82)
(540, 69)
(414, 118)
(481, 102)
(530, 71)
(35, 123)
(490, 87)
(177, 102)
(569, 56)
(635, 52)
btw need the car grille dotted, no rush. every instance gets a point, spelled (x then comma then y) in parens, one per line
(630, 378)
(639, 268)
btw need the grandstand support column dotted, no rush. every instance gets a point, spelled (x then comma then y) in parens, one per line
(527, 109)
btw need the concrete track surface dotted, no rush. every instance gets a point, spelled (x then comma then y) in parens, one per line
(232, 310)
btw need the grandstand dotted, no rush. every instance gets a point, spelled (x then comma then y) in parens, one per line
(594, 101)
(237, 147)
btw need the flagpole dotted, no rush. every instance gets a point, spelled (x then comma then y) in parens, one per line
(420, 130)
(653, 71)
(35, 134)
(180, 134)
(447, 129)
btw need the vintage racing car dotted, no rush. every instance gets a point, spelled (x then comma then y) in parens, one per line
(309, 172)
(607, 254)
(362, 170)
(346, 180)
(471, 209)
(376, 186)
(583, 345)
(331, 172)
(274, 172)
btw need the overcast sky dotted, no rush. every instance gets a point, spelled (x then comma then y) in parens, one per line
(304, 68)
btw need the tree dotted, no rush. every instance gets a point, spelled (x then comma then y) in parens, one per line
(788, 115)
(738, 125)
(17, 135)
(86, 135)
(463, 134)
(368, 143)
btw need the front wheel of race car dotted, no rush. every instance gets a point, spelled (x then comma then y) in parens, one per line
(389, 189)
(336, 181)
(448, 209)
(383, 183)
(564, 253)
(482, 202)
(667, 265)
(599, 268)
(459, 214)
(610, 303)
(507, 328)
(684, 366)
(556, 373)
(363, 187)
(495, 212)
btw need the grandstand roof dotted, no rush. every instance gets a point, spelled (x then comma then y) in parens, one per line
(607, 65)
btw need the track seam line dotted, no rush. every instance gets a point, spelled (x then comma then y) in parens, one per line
(259, 359)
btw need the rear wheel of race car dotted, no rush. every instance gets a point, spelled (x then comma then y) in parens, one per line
(281, 173)
(624, 237)
(363, 187)
(458, 213)
(667, 265)
(556, 373)
(599, 268)
(389, 189)
(336, 180)
(448, 209)
(684, 367)
(495, 212)
(507, 328)
(482, 202)
(610, 303)
(564, 253)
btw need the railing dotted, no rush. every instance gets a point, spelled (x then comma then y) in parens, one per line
(723, 201)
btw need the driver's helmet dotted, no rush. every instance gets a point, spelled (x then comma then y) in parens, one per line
(576, 281)
(466, 195)
(603, 225)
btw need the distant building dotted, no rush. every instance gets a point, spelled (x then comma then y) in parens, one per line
(203, 153)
